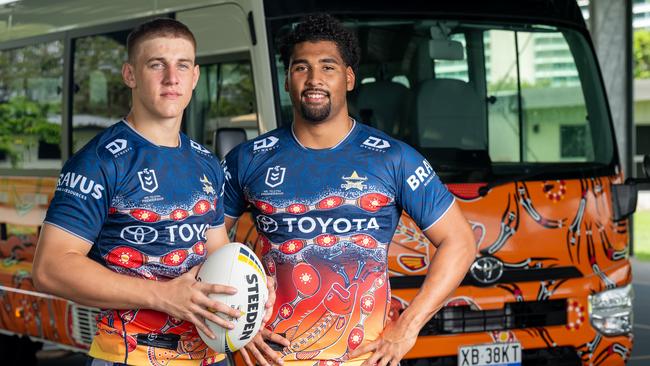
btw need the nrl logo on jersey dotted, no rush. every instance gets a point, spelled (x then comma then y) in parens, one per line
(354, 181)
(376, 144)
(148, 181)
(199, 147)
(118, 147)
(275, 176)
(265, 144)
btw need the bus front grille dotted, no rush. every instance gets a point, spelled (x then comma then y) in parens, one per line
(84, 324)
(516, 315)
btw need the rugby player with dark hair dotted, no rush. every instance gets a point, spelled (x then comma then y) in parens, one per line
(327, 193)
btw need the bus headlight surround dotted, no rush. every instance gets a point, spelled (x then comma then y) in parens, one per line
(610, 311)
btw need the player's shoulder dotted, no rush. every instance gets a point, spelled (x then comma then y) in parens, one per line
(112, 143)
(264, 144)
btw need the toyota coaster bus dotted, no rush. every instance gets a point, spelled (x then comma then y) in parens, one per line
(504, 99)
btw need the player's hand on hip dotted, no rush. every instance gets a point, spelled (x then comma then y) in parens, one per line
(261, 351)
(388, 349)
(188, 299)
(268, 307)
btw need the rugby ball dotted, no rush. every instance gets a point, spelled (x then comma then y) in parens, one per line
(236, 265)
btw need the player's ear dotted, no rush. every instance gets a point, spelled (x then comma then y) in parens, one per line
(128, 75)
(350, 78)
(196, 73)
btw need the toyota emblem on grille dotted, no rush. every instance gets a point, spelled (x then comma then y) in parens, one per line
(487, 270)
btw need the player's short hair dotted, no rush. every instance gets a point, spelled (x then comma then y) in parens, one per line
(159, 27)
(321, 27)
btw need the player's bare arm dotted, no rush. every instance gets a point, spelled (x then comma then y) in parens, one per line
(61, 267)
(456, 250)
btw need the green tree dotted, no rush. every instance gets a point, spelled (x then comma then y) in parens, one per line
(103, 55)
(24, 124)
(642, 54)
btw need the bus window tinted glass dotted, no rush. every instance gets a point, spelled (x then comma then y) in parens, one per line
(536, 99)
(502, 106)
(224, 97)
(100, 96)
(30, 106)
(479, 100)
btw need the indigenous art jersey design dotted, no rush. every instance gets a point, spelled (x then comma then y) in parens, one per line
(144, 209)
(325, 219)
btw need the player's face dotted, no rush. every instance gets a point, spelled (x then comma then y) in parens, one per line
(318, 81)
(162, 77)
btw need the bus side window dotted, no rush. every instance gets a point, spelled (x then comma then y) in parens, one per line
(30, 106)
(100, 96)
(223, 98)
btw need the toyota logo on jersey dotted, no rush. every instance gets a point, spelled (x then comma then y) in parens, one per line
(266, 224)
(139, 235)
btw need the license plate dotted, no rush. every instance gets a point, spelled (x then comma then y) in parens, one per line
(493, 354)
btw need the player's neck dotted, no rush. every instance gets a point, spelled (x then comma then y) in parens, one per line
(322, 135)
(162, 132)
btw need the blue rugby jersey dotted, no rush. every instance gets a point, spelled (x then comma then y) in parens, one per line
(144, 210)
(325, 219)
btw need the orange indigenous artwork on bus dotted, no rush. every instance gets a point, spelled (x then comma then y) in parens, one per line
(543, 244)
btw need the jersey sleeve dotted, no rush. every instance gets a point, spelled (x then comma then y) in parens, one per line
(234, 200)
(420, 191)
(82, 197)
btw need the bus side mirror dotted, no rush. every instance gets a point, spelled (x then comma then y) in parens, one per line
(624, 196)
(227, 138)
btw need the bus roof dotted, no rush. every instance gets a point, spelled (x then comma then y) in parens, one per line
(29, 18)
(557, 12)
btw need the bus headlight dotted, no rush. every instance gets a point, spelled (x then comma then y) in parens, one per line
(611, 310)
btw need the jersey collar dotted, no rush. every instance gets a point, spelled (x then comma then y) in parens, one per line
(180, 139)
(344, 139)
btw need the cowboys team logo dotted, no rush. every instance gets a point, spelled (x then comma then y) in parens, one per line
(266, 224)
(275, 176)
(354, 181)
(148, 181)
(207, 185)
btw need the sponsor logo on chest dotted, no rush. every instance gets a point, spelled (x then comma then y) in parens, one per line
(142, 234)
(322, 225)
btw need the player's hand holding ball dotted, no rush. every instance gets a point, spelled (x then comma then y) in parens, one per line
(237, 266)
